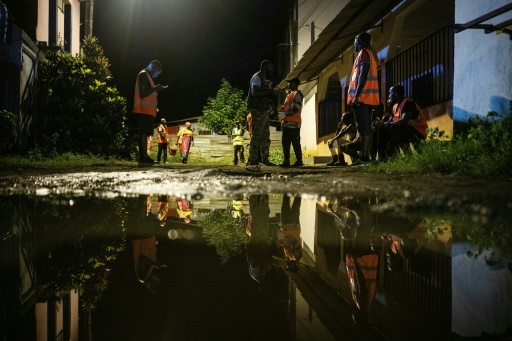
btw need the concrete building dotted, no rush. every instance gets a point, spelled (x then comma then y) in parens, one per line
(449, 56)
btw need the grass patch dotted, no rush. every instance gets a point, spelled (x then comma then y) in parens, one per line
(485, 150)
(67, 160)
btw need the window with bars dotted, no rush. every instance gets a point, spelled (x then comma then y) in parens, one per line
(329, 110)
(425, 70)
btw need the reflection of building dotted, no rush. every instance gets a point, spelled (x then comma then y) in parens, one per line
(24, 316)
(421, 287)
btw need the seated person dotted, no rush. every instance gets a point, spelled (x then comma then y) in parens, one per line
(405, 126)
(347, 141)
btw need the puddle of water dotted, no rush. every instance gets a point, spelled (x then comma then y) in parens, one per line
(188, 258)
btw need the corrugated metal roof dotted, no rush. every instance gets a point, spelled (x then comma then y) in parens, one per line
(356, 17)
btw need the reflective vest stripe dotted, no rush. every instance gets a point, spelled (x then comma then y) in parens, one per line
(159, 137)
(370, 93)
(288, 105)
(146, 105)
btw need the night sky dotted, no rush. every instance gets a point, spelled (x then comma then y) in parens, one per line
(198, 42)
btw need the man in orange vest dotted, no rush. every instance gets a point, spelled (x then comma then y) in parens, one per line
(291, 121)
(145, 105)
(162, 140)
(363, 92)
(405, 126)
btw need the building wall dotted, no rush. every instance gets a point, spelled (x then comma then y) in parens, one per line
(482, 73)
(308, 115)
(42, 30)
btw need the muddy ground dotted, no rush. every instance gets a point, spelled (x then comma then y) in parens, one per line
(416, 189)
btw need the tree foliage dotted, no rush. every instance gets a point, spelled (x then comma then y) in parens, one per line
(77, 247)
(221, 112)
(224, 232)
(82, 113)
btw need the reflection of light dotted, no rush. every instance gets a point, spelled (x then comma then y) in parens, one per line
(188, 234)
(180, 234)
(172, 234)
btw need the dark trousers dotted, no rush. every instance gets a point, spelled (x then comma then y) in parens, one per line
(162, 148)
(238, 150)
(291, 136)
(391, 137)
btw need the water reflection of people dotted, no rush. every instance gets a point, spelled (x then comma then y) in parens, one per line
(259, 257)
(361, 256)
(184, 209)
(162, 208)
(273, 246)
(144, 245)
(399, 248)
(288, 236)
(237, 210)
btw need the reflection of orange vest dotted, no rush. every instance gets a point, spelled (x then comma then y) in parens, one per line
(370, 93)
(419, 123)
(288, 105)
(368, 265)
(145, 105)
(162, 128)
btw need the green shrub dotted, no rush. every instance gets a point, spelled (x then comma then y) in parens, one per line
(82, 114)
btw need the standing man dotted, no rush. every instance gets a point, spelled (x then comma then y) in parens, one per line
(145, 105)
(259, 102)
(291, 121)
(238, 142)
(363, 92)
(162, 140)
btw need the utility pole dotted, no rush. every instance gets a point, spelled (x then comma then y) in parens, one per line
(89, 9)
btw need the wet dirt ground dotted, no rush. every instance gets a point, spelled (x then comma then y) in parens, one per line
(459, 194)
(417, 197)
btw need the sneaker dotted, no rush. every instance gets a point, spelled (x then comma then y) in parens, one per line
(298, 164)
(268, 163)
(332, 163)
(284, 165)
(341, 164)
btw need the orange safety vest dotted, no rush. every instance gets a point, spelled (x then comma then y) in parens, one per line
(145, 105)
(288, 105)
(159, 136)
(420, 124)
(370, 93)
(368, 265)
